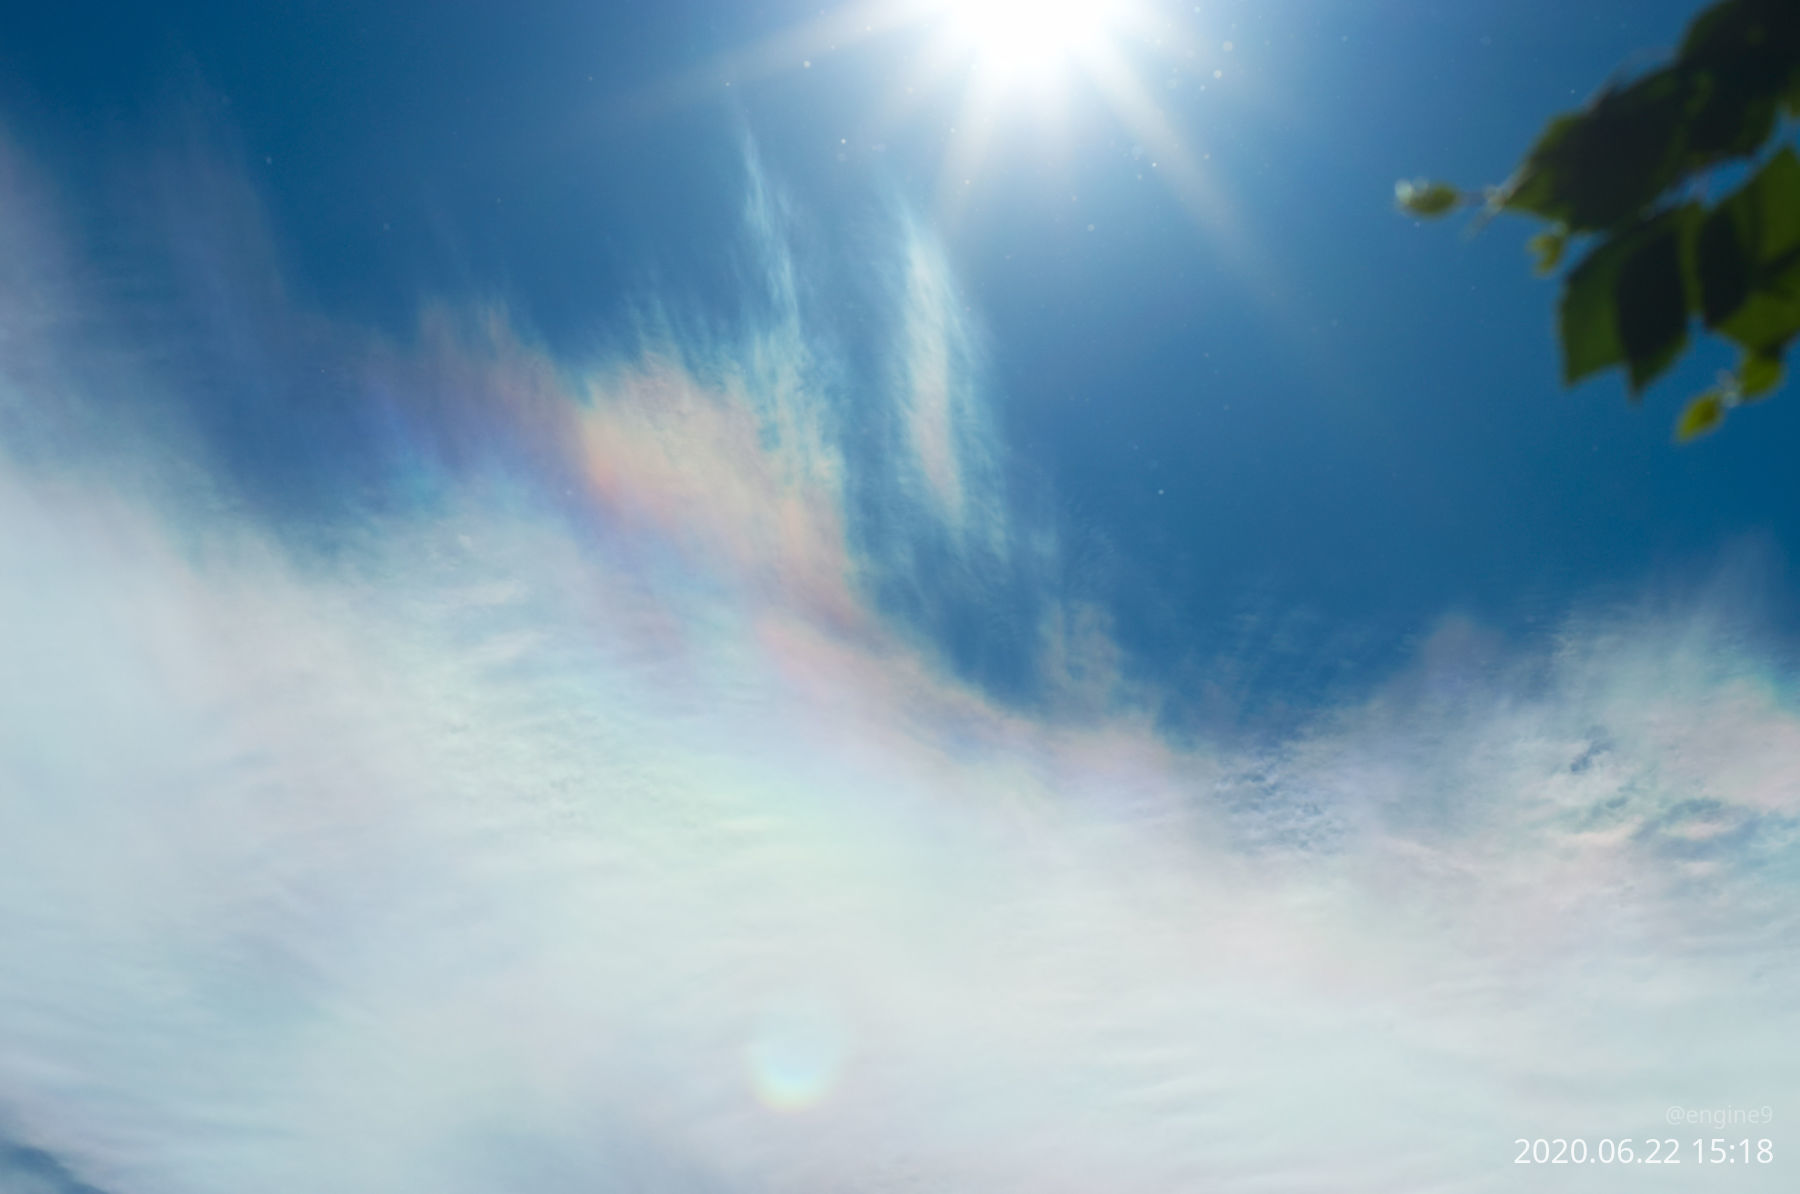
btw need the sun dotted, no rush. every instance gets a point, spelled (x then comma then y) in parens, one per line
(1025, 40)
(1037, 61)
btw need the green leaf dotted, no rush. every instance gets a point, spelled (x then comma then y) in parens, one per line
(1588, 322)
(1547, 248)
(1651, 298)
(1601, 167)
(1743, 54)
(1421, 197)
(1607, 164)
(1722, 265)
(1702, 415)
(1758, 375)
(1617, 171)
(1590, 337)
(1748, 259)
(1628, 300)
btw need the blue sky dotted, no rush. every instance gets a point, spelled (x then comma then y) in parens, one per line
(653, 596)
(1312, 414)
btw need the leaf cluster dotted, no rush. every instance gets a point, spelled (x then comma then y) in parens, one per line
(1621, 175)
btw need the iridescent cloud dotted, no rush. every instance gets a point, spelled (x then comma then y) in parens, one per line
(562, 809)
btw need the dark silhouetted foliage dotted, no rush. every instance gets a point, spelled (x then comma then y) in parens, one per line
(1624, 178)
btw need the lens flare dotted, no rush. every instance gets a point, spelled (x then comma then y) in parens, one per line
(796, 1053)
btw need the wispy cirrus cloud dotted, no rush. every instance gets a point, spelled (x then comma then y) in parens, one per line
(547, 788)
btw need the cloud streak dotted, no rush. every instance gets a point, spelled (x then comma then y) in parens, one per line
(564, 805)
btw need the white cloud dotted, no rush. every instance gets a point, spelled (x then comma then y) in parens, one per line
(605, 838)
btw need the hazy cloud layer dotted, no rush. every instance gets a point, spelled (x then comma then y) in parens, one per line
(528, 786)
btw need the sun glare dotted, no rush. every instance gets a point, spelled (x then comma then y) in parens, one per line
(1036, 61)
(1022, 38)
